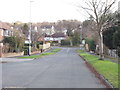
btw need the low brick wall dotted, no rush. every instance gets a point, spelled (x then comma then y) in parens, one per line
(12, 54)
(19, 54)
(35, 52)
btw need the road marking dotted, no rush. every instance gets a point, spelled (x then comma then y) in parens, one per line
(68, 50)
(14, 87)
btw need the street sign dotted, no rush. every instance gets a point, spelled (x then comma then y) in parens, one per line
(27, 41)
(83, 41)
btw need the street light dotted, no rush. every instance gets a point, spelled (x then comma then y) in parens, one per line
(29, 36)
(82, 42)
(80, 27)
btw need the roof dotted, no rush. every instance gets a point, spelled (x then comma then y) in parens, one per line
(56, 35)
(40, 39)
(48, 35)
(46, 26)
(4, 25)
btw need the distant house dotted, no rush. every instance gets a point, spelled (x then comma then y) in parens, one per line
(46, 39)
(57, 37)
(5, 31)
(48, 29)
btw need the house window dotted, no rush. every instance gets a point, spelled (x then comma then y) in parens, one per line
(6, 33)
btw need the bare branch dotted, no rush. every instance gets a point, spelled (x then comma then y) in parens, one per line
(83, 14)
(95, 12)
(108, 7)
(99, 3)
(89, 4)
(86, 8)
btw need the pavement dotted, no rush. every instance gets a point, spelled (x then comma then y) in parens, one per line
(16, 59)
(7, 60)
(64, 69)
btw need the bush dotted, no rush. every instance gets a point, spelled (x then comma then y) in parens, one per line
(111, 38)
(91, 44)
(65, 42)
(15, 43)
(76, 39)
(118, 51)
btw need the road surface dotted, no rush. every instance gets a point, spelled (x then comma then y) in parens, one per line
(64, 69)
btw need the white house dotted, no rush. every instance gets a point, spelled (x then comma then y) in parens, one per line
(55, 37)
(48, 29)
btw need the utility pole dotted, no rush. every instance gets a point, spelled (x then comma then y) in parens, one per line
(81, 35)
(80, 27)
(30, 29)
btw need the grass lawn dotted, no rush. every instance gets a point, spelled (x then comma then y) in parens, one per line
(40, 55)
(106, 68)
(56, 50)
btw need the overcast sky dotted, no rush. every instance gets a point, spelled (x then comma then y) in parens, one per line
(41, 10)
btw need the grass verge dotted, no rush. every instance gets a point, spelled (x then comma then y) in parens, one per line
(40, 55)
(55, 50)
(106, 68)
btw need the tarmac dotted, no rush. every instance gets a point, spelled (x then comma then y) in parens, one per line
(64, 69)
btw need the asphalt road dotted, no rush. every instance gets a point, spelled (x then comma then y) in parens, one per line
(64, 69)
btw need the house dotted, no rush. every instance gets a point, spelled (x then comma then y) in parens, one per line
(1, 44)
(48, 29)
(56, 37)
(45, 40)
(48, 37)
(5, 31)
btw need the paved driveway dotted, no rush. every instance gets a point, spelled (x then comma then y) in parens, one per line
(64, 69)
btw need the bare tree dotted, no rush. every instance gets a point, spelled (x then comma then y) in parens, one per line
(25, 29)
(100, 11)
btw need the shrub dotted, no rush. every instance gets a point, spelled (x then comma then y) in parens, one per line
(91, 44)
(65, 42)
(15, 43)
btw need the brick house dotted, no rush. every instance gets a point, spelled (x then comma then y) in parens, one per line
(5, 31)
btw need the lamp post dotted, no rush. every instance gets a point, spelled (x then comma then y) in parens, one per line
(81, 35)
(82, 41)
(29, 36)
(80, 27)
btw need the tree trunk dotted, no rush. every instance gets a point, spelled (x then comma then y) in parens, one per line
(71, 44)
(101, 52)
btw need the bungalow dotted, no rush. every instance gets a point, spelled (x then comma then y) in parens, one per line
(57, 37)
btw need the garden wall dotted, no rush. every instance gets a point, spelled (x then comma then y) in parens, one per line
(12, 54)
